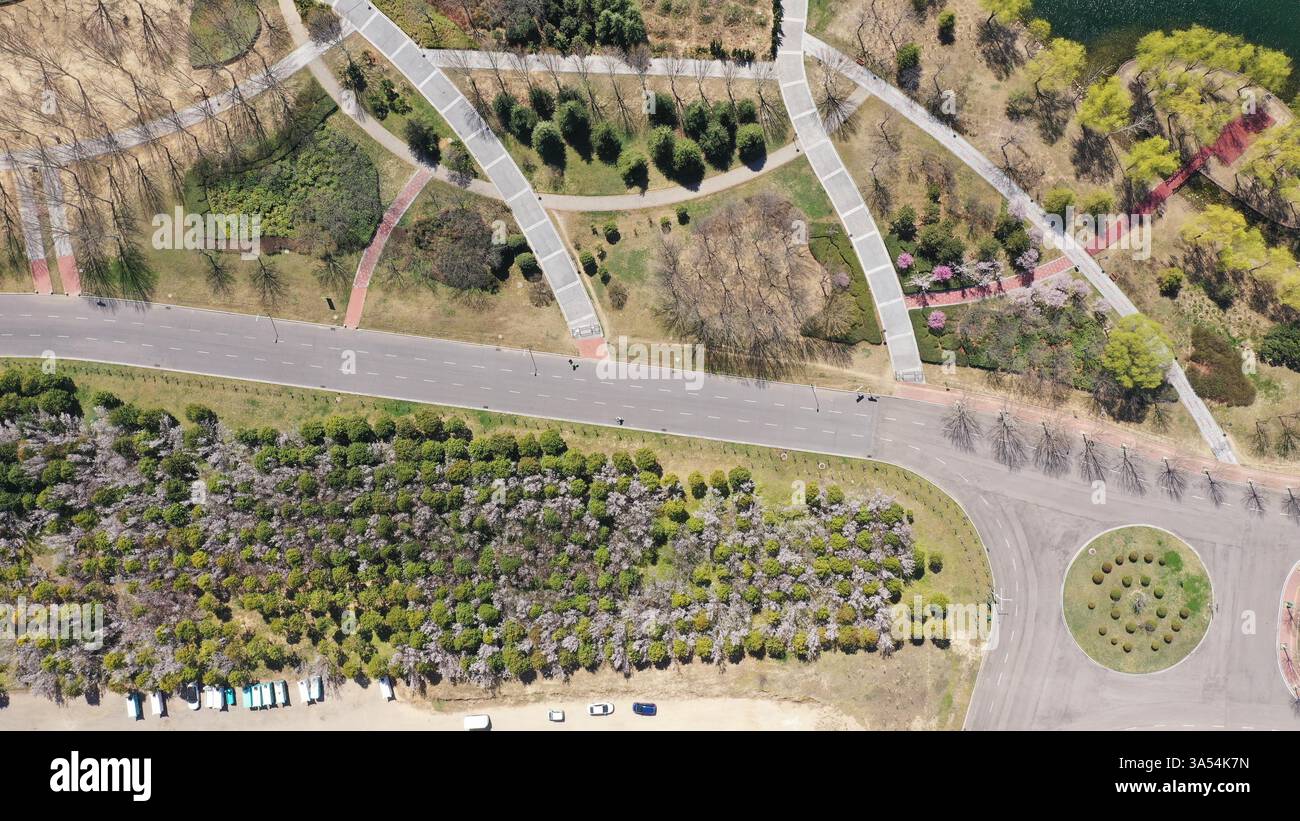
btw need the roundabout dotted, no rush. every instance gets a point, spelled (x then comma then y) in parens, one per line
(1137, 600)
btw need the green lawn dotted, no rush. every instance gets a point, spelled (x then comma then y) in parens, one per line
(1137, 600)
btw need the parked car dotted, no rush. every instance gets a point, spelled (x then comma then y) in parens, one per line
(282, 692)
(601, 708)
(317, 688)
(133, 710)
(303, 692)
(644, 708)
(386, 688)
(555, 715)
(478, 722)
(191, 695)
(156, 704)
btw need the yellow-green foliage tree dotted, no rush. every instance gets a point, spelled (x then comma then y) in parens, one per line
(1275, 161)
(1201, 48)
(1138, 352)
(1150, 160)
(1239, 248)
(1006, 12)
(1175, 68)
(1056, 67)
(1105, 108)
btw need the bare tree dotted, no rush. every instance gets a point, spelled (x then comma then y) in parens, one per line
(266, 279)
(1172, 480)
(1214, 488)
(1008, 444)
(1092, 465)
(1260, 439)
(217, 274)
(961, 427)
(1291, 507)
(1253, 499)
(1130, 475)
(1052, 451)
(1287, 438)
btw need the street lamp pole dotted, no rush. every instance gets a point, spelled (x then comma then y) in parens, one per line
(534, 360)
(816, 401)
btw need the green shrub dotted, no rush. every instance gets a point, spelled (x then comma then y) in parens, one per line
(549, 143)
(1281, 346)
(606, 143)
(688, 162)
(947, 26)
(633, 170)
(750, 143)
(662, 144)
(1170, 281)
(1215, 371)
(527, 264)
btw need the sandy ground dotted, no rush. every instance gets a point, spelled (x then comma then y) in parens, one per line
(352, 707)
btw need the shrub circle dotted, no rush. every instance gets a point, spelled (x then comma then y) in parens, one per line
(1166, 603)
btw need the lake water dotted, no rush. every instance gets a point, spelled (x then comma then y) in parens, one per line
(1111, 28)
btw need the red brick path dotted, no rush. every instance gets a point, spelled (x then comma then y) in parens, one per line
(357, 302)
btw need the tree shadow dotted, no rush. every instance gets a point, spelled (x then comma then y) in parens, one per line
(1091, 156)
(997, 45)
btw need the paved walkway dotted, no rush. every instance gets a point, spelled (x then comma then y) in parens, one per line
(491, 156)
(33, 243)
(843, 193)
(1003, 287)
(137, 135)
(399, 206)
(69, 274)
(1288, 632)
(1021, 203)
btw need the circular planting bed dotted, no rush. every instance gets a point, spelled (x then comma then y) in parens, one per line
(1137, 599)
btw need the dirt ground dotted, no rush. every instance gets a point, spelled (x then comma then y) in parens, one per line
(355, 708)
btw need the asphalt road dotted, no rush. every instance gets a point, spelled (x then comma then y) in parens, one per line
(1032, 525)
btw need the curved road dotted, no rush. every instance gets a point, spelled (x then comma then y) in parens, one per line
(1032, 525)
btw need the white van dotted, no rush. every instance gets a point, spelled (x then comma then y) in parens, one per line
(386, 688)
(478, 722)
(304, 694)
(282, 692)
(156, 703)
(133, 711)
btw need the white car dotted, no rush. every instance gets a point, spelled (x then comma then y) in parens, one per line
(133, 710)
(317, 689)
(478, 722)
(555, 715)
(601, 708)
(282, 692)
(191, 695)
(156, 704)
(303, 693)
(386, 688)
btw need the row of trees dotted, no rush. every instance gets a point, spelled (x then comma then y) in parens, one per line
(1056, 452)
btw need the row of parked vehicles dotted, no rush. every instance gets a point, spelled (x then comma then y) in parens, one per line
(255, 697)
(597, 709)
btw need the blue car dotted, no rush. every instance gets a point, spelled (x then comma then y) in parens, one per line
(642, 708)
